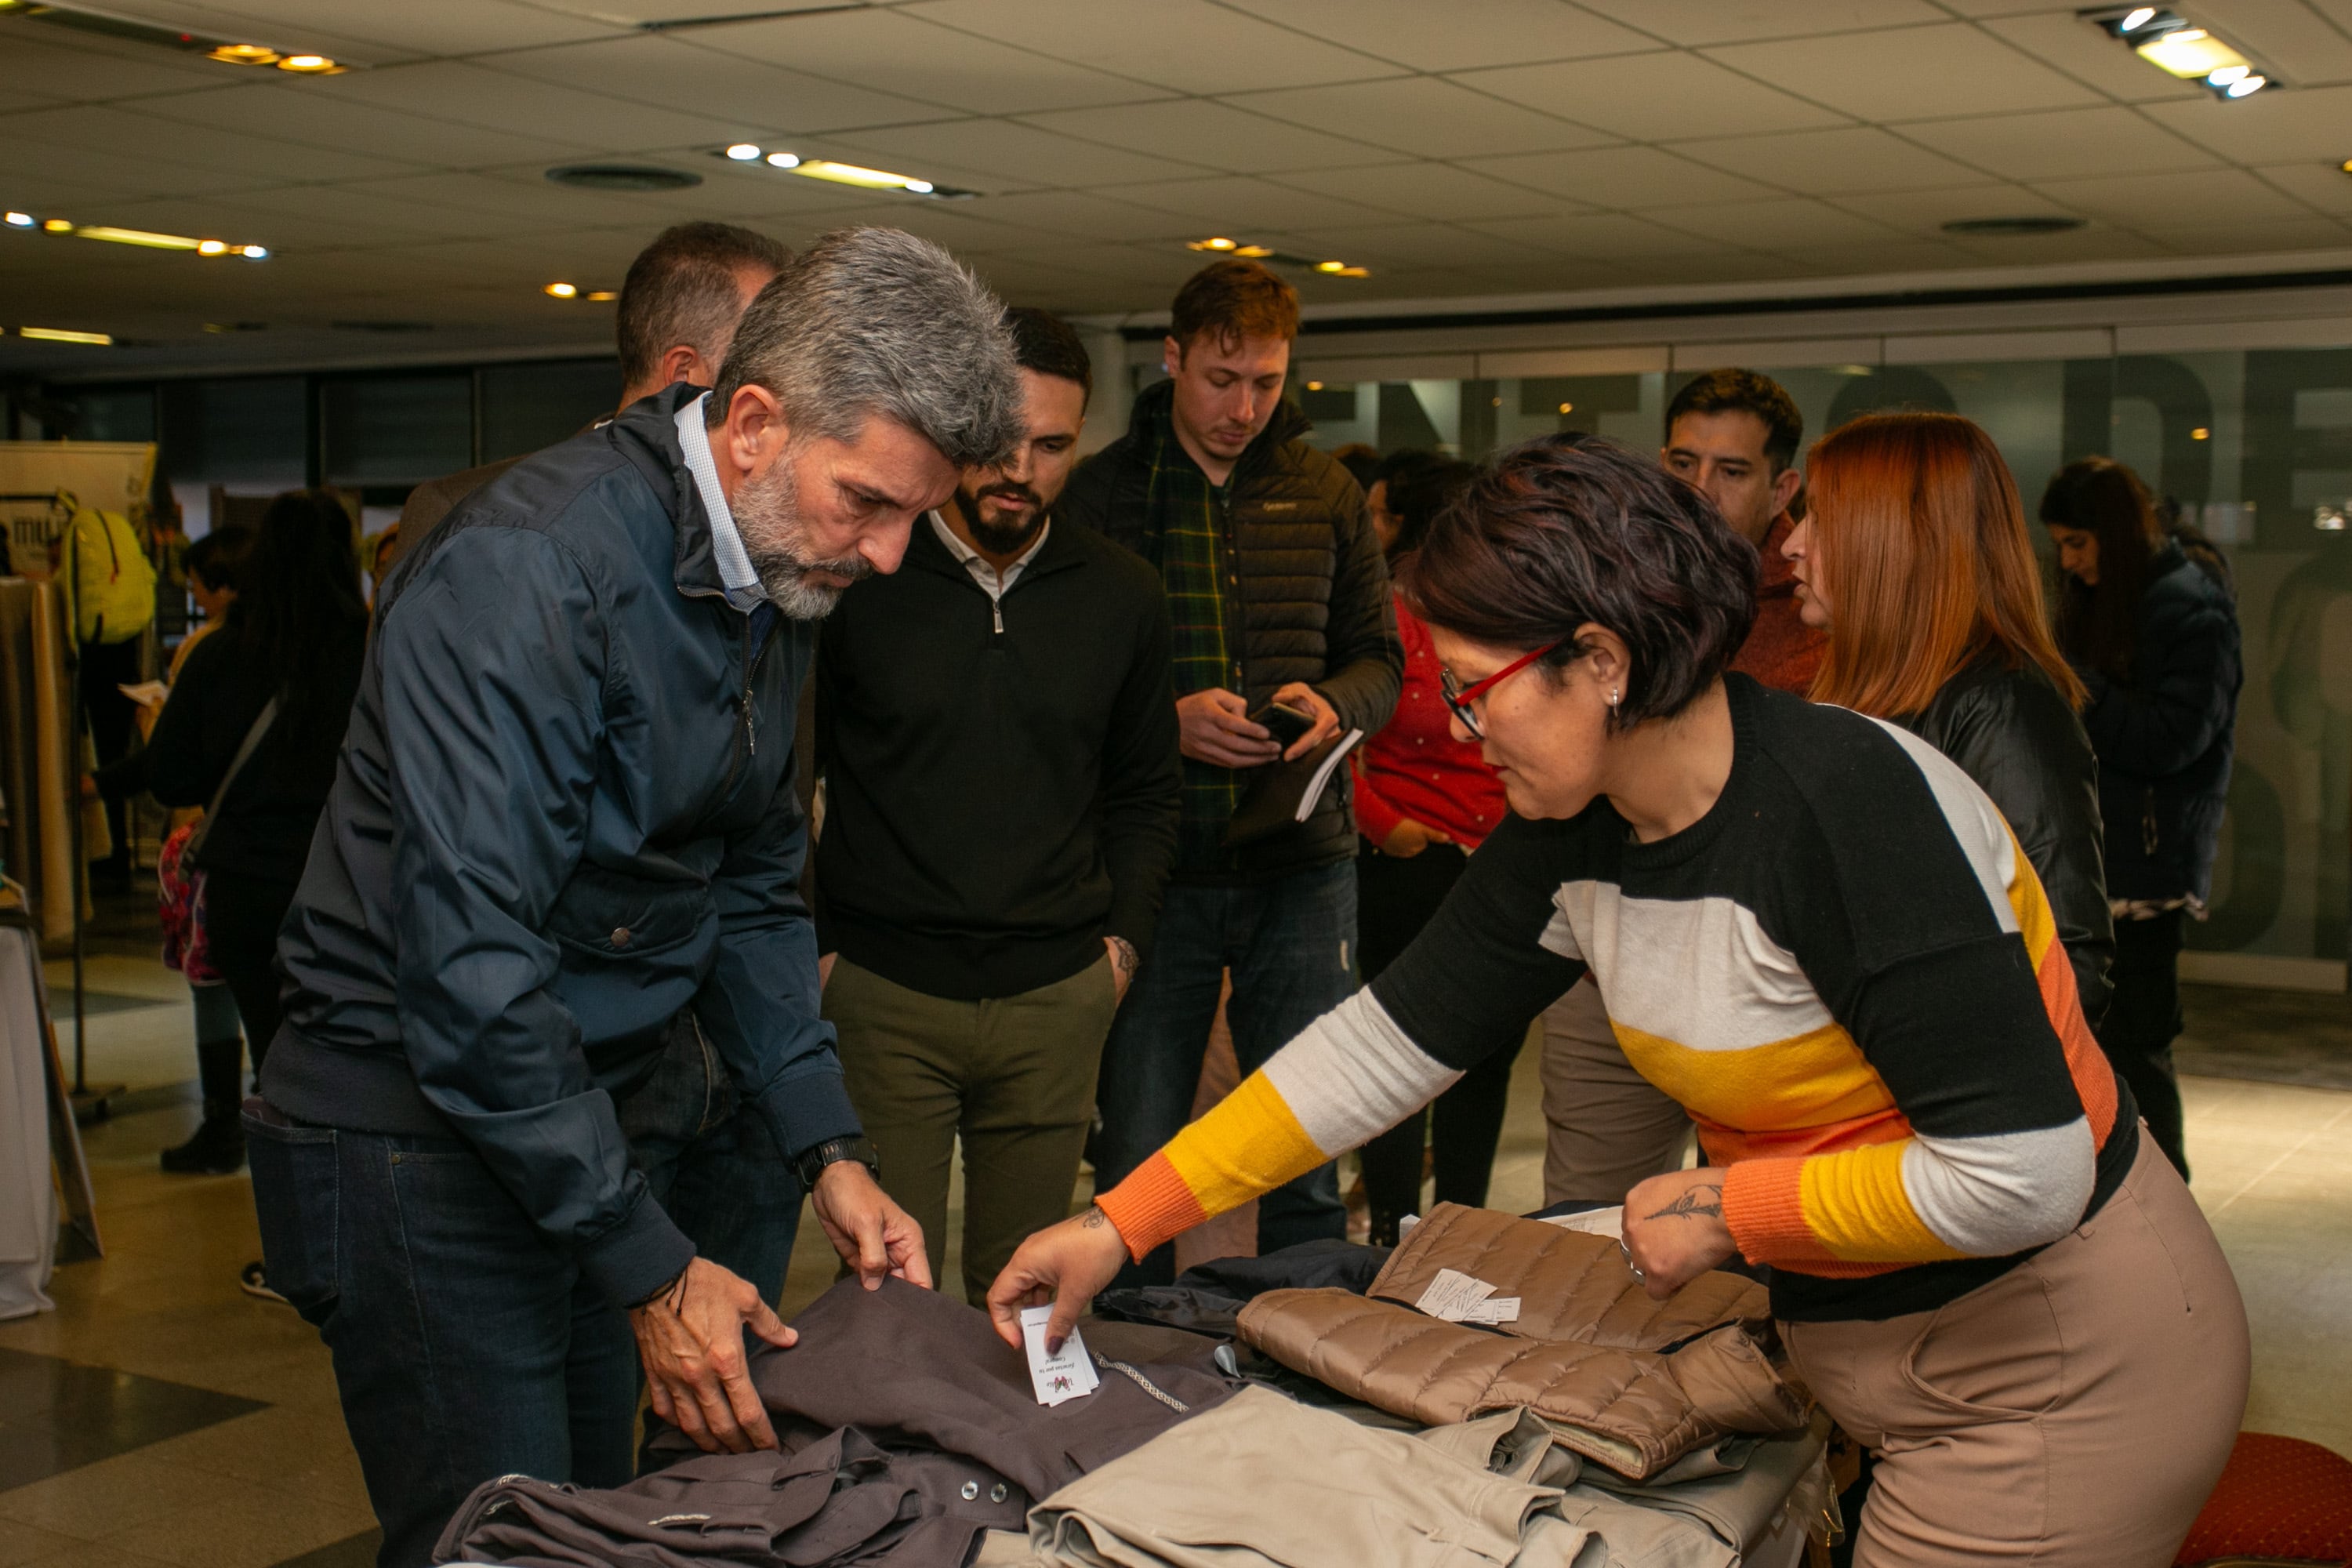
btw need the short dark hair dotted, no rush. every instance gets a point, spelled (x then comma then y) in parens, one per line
(219, 556)
(1749, 391)
(1049, 345)
(683, 288)
(1569, 529)
(1234, 300)
(1362, 461)
(1419, 491)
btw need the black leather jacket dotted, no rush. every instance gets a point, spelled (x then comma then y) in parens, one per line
(2011, 731)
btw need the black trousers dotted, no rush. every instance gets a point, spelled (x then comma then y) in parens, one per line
(1394, 898)
(2143, 1020)
(106, 668)
(242, 915)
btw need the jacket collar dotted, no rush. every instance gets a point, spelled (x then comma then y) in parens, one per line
(1154, 420)
(646, 434)
(1060, 550)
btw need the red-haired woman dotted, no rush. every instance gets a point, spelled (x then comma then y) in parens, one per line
(1817, 935)
(1914, 556)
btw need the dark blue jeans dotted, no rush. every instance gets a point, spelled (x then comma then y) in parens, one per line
(1290, 944)
(465, 1346)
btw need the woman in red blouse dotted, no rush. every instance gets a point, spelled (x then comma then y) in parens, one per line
(1423, 802)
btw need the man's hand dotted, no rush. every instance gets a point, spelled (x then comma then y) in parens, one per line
(1122, 966)
(873, 1236)
(1213, 727)
(690, 1340)
(1674, 1230)
(1306, 699)
(1065, 1264)
(1409, 838)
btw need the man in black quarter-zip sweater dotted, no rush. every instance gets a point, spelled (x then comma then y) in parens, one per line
(997, 733)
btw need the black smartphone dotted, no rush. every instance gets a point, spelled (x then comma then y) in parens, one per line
(1286, 724)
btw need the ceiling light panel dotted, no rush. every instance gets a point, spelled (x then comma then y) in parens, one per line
(2178, 47)
(751, 155)
(146, 239)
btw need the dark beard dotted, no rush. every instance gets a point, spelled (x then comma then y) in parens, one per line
(999, 538)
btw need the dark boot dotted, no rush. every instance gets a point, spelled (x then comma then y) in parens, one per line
(218, 1146)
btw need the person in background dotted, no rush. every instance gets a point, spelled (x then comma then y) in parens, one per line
(679, 303)
(289, 645)
(1914, 559)
(1277, 594)
(998, 740)
(1361, 461)
(1735, 434)
(1424, 802)
(211, 568)
(2153, 633)
(1816, 929)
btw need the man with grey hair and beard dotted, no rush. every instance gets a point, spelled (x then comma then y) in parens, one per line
(563, 816)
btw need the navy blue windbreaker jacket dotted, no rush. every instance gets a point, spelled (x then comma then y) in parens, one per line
(563, 813)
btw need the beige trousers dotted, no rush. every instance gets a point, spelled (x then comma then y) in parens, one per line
(1607, 1127)
(2074, 1413)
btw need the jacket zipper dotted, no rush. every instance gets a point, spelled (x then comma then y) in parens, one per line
(748, 740)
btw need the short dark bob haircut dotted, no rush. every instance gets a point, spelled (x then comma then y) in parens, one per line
(1571, 529)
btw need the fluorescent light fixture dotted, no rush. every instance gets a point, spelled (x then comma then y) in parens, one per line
(17, 220)
(211, 247)
(743, 153)
(138, 236)
(2245, 86)
(866, 179)
(560, 290)
(61, 335)
(784, 160)
(2189, 53)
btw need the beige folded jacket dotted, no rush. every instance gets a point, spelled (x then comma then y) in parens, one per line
(1631, 1383)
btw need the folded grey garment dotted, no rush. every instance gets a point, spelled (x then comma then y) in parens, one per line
(1741, 1508)
(1524, 1447)
(1262, 1482)
(841, 1501)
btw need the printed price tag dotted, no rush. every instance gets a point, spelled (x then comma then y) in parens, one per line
(1057, 1378)
(1456, 1297)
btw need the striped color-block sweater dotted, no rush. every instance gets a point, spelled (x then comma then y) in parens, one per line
(1845, 970)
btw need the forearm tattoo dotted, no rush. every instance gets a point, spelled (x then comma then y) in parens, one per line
(1706, 1198)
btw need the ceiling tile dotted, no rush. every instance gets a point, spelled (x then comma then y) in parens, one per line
(2065, 42)
(1694, 22)
(1614, 236)
(294, 116)
(198, 141)
(1424, 37)
(2320, 186)
(1437, 190)
(284, 225)
(372, 32)
(1100, 218)
(2093, 244)
(365, 207)
(522, 194)
(1389, 246)
(1787, 223)
(2281, 127)
(2253, 239)
(1426, 116)
(1927, 211)
(1158, 270)
(1233, 203)
(1911, 73)
(2063, 144)
(897, 51)
(2285, 35)
(1828, 163)
(1652, 98)
(756, 96)
(456, 92)
(83, 180)
(1187, 45)
(1199, 132)
(1619, 177)
(43, 61)
(1878, 256)
(1005, 152)
(2203, 196)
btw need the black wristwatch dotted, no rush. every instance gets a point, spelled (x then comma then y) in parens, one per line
(811, 1162)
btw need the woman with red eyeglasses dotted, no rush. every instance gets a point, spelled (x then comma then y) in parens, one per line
(1813, 930)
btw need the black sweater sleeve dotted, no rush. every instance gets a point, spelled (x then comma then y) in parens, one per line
(1142, 778)
(212, 708)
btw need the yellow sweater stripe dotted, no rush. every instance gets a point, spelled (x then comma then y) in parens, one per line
(1860, 1212)
(1250, 1143)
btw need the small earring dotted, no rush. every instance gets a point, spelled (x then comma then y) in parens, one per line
(1615, 696)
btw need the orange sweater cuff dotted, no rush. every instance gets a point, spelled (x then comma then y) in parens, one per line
(1764, 1206)
(1151, 1207)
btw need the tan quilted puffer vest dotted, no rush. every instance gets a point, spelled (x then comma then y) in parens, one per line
(1631, 1383)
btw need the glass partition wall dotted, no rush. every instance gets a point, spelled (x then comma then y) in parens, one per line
(2254, 445)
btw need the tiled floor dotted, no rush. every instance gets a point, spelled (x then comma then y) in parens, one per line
(189, 1424)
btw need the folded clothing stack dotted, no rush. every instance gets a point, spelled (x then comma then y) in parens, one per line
(1632, 1383)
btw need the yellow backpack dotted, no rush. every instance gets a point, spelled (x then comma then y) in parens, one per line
(110, 576)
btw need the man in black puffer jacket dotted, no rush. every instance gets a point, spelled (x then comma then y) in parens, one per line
(1277, 592)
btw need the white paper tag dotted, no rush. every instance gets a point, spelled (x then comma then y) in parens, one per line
(1609, 1222)
(1493, 1309)
(1057, 1378)
(1453, 1295)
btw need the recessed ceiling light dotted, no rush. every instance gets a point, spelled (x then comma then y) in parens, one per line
(784, 160)
(2201, 434)
(62, 335)
(1314, 386)
(25, 220)
(243, 54)
(252, 252)
(743, 153)
(212, 247)
(560, 290)
(1567, 408)
(2027, 224)
(1330, 267)
(1215, 242)
(2138, 17)
(601, 296)
(841, 173)
(58, 225)
(310, 65)
(2246, 86)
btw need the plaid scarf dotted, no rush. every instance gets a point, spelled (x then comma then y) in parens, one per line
(1186, 514)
